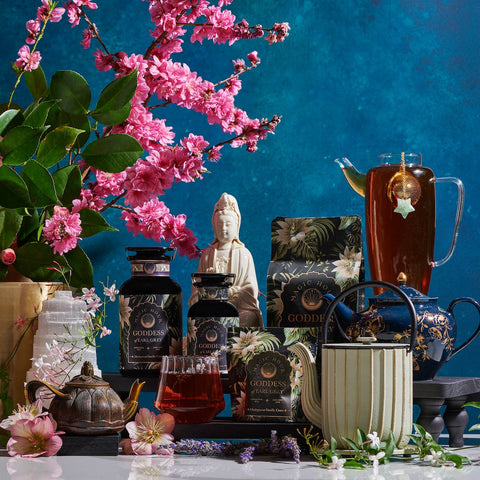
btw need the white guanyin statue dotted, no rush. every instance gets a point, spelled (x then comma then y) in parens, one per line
(227, 254)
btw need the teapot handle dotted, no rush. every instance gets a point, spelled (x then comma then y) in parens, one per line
(34, 385)
(377, 284)
(477, 331)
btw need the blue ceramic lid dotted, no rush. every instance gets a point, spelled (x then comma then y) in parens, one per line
(389, 296)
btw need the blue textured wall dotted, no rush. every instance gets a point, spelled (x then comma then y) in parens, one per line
(355, 78)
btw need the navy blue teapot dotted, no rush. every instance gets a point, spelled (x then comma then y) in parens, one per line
(388, 320)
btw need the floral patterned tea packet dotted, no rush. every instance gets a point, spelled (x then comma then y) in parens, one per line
(311, 257)
(265, 377)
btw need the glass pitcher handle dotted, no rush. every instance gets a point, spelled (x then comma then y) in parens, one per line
(458, 216)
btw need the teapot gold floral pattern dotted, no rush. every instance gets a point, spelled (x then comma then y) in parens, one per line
(386, 318)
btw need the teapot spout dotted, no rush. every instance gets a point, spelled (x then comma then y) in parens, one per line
(355, 179)
(131, 403)
(310, 397)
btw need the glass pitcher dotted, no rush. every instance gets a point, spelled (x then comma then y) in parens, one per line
(400, 217)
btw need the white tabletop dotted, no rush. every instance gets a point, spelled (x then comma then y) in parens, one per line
(210, 468)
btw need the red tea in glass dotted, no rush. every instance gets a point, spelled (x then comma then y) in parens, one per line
(190, 388)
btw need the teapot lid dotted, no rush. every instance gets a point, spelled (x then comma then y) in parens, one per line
(390, 297)
(87, 379)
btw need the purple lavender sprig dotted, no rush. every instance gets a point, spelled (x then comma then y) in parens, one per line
(286, 448)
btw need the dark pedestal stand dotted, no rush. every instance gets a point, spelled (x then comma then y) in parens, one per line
(454, 392)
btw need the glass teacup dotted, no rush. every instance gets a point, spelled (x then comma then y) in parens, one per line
(190, 388)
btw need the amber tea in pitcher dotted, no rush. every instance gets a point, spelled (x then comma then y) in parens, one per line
(400, 217)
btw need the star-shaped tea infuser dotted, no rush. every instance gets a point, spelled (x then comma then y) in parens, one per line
(404, 207)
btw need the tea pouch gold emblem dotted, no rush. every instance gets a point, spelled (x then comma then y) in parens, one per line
(311, 257)
(265, 377)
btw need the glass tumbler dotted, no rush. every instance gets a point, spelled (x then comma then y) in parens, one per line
(190, 388)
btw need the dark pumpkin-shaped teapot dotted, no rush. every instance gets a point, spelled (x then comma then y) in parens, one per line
(387, 319)
(87, 405)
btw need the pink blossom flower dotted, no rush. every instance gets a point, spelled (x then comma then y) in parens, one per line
(74, 14)
(103, 62)
(253, 57)
(62, 229)
(33, 29)
(8, 256)
(87, 36)
(20, 323)
(34, 438)
(45, 12)
(86, 3)
(28, 412)
(111, 292)
(150, 433)
(104, 332)
(27, 60)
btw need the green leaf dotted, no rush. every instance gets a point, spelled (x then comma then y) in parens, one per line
(36, 83)
(76, 121)
(10, 222)
(113, 106)
(112, 117)
(82, 270)
(30, 227)
(93, 223)
(68, 183)
(113, 153)
(56, 145)
(14, 191)
(6, 119)
(37, 116)
(73, 91)
(20, 144)
(40, 184)
(35, 259)
(117, 93)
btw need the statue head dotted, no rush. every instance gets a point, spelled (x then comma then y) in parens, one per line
(226, 220)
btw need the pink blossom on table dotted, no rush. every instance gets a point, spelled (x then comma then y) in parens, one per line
(150, 433)
(23, 412)
(8, 256)
(46, 12)
(27, 60)
(62, 230)
(34, 437)
(33, 29)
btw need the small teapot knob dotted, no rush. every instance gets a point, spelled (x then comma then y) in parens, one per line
(402, 278)
(87, 369)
